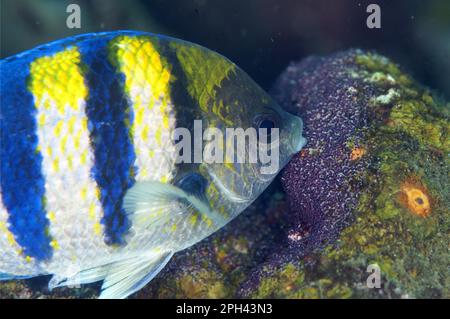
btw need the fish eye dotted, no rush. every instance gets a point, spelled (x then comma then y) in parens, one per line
(264, 124)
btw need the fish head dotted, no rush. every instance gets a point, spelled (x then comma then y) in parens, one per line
(259, 139)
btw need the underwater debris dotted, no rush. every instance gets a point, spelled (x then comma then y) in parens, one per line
(357, 153)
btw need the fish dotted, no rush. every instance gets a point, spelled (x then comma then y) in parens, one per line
(92, 185)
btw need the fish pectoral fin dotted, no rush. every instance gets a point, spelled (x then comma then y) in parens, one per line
(128, 276)
(145, 199)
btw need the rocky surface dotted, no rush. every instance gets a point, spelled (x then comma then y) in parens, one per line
(371, 186)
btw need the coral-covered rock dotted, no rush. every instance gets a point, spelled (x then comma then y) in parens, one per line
(371, 186)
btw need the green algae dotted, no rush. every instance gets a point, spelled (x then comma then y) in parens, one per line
(294, 282)
(412, 144)
(230, 255)
(415, 118)
(413, 108)
(376, 64)
(205, 284)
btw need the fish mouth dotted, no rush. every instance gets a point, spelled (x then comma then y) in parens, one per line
(297, 128)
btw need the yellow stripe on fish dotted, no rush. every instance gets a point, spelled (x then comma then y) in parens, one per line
(147, 85)
(71, 195)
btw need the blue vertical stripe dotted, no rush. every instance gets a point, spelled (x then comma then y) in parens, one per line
(109, 120)
(21, 179)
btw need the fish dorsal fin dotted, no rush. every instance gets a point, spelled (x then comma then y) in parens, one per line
(144, 199)
(130, 275)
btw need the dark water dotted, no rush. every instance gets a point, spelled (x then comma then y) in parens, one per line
(261, 36)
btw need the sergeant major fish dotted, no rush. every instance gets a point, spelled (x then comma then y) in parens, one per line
(90, 186)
